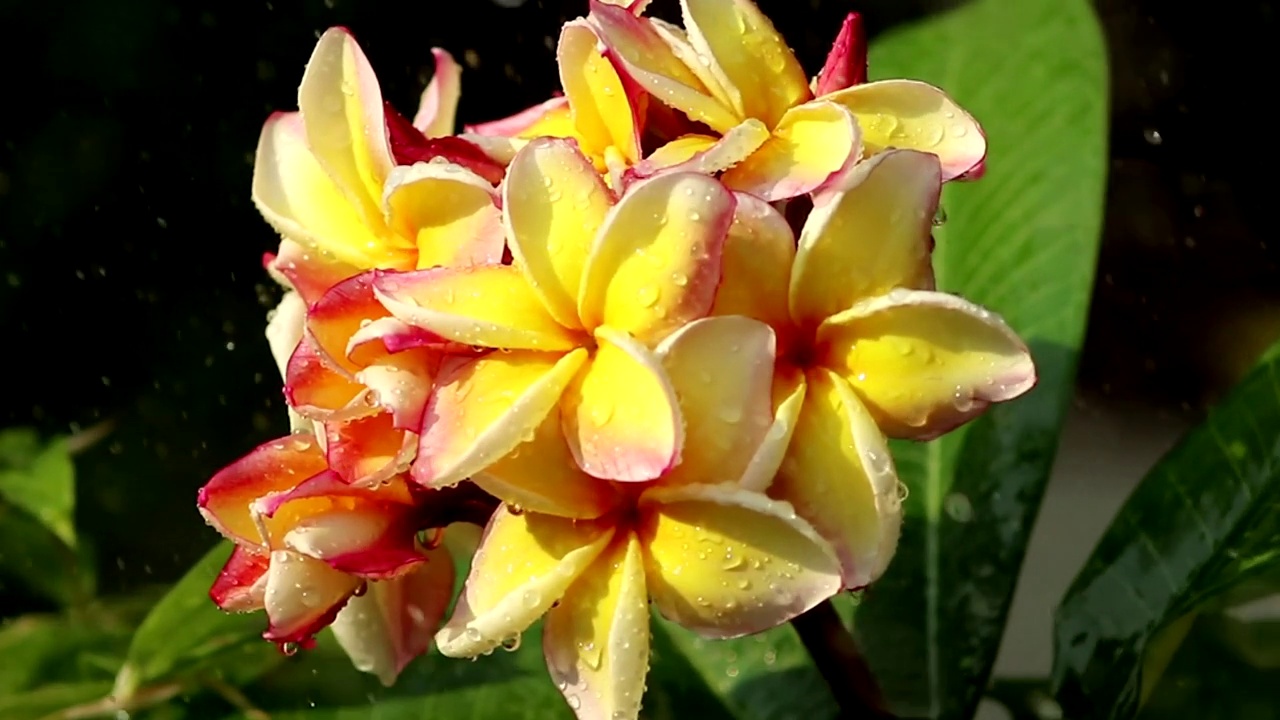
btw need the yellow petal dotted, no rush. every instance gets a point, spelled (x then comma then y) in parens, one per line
(913, 115)
(486, 305)
(483, 408)
(603, 114)
(523, 566)
(749, 51)
(703, 67)
(341, 107)
(438, 107)
(756, 264)
(838, 475)
(656, 260)
(554, 202)
(726, 562)
(870, 235)
(811, 144)
(448, 212)
(722, 372)
(596, 640)
(926, 362)
(621, 417)
(788, 399)
(706, 155)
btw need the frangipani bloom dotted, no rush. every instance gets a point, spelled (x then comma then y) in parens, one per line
(730, 70)
(719, 559)
(865, 345)
(594, 286)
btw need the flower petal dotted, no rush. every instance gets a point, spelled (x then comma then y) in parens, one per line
(547, 119)
(596, 640)
(926, 362)
(303, 595)
(394, 621)
(439, 104)
(870, 235)
(285, 325)
(703, 67)
(705, 154)
(726, 562)
(839, 475)
(401, 384)
(339, 314)
(486, 305)
(271, 467)
(752, 55)
(448, 211)
(242, 582)
(524, 564)
(621, 417)
(756, 262)
(307, 270)
(726, 406)
(483, 408)
(846, 64)
(554, 202)
(368, 539)
(912, 115)
(368, 450)
(788, 399)
(656, 261)
(811, 144)
(318, 390)
(394, 336)
(604, 112)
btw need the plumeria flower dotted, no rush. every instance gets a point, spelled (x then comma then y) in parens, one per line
(729, 70)
(595, 285)
(590, 555)
(313, 550)
(865, 345)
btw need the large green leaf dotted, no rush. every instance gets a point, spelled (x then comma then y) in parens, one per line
(33, 557)
(1203, 522)
(1022, 241)
(40, 479)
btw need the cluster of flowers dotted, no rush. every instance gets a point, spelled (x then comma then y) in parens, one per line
(652, 333)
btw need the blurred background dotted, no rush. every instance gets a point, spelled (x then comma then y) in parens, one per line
(133, 300)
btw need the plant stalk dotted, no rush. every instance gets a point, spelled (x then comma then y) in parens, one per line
(834, 651)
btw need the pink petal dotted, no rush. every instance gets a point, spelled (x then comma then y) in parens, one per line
(409, 145)
(847, 62)
(242, 582)
(439, 105)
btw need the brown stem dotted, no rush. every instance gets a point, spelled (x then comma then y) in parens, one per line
(836, 654)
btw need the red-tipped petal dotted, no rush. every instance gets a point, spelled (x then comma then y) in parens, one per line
(318, 390)
(308, 271)
(409, 145)
(847, 62)
(369, 450)
(272, 467)
(241, 584)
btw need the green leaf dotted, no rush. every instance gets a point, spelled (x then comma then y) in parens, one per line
(40, 480)
(48, 699)
(35, 558)
(1021, 241)
(1201, 524)
(43, 649)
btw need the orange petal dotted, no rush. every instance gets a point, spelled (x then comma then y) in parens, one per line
(275, 466)
(339, 314)
(242, 583)
(369, 450)
(318, 390)
(307, 270)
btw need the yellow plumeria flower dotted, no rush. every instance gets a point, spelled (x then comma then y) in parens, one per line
(594, 286)
(729, 69)
(865, 345)
(712, 556)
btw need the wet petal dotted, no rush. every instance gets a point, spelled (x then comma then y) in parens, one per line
(846, 64)
(303, 595)
(726, 562)
(811, 144)
(439, 104)
(368, 539)
(838, 474)
(749, 51)
(483, 408)
(705, 154)
(339, 314)
(488, 306)
(701, 65)
(722, 372)
(307, 270)
(621, 417)
(393, 335)
(870, 235)
(394, 620)
(596, 640)
(604, 112)
(912, 115)
(554, 201)
(524, 564)
(242, 582)
(368, 450)
(656, 261)
(756, 264)
(547, 119)
(926, 362)
(788, 399)
(318, 390)
(271, 467)
(285, 325)
(401, 384)
(448, 211)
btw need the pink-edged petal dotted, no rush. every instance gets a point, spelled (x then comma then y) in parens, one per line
(409, 146)
(242, 582)
(394, 336)
(621, 416)
(705, 154)
(722, 372)
(369, 450)
(726, 562)
(926, 362)
(546, 119)
(812, 144)
(500, 149)
(319, 390)
(394, 621)
(701, 65)
(439, 104)
(596, 641)
(912, 115)
(401, 384)
(554, 203)
(303, 595)
(338, 315)
(839, 475)
(371, 540)
(655, 264)
(788, 400)
(307, 270)
(285, 326)
(449, 212)
(483, 408)
(274, 466)
(605, 111)
(756, 264)
(846, 64)
(524, 564)
(869, 235)
(488, 306)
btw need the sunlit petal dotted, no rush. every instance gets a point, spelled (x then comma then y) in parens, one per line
(306, 269)
(788, 399)
(339, 314)
(811, 144)
(285, 325)
(368, 539)
(701, 65)
(370, 449)
(756, 264)
(547, 119)
(303, 595)
(604, 113)
(705, 154)
(319, 390)
(448, 211)
(401, 384)
(271, 467)
(439, 103)
(241, 585)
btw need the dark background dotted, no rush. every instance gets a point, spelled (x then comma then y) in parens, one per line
(131, 287)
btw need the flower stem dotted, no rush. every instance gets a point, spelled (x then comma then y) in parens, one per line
(834, 651)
